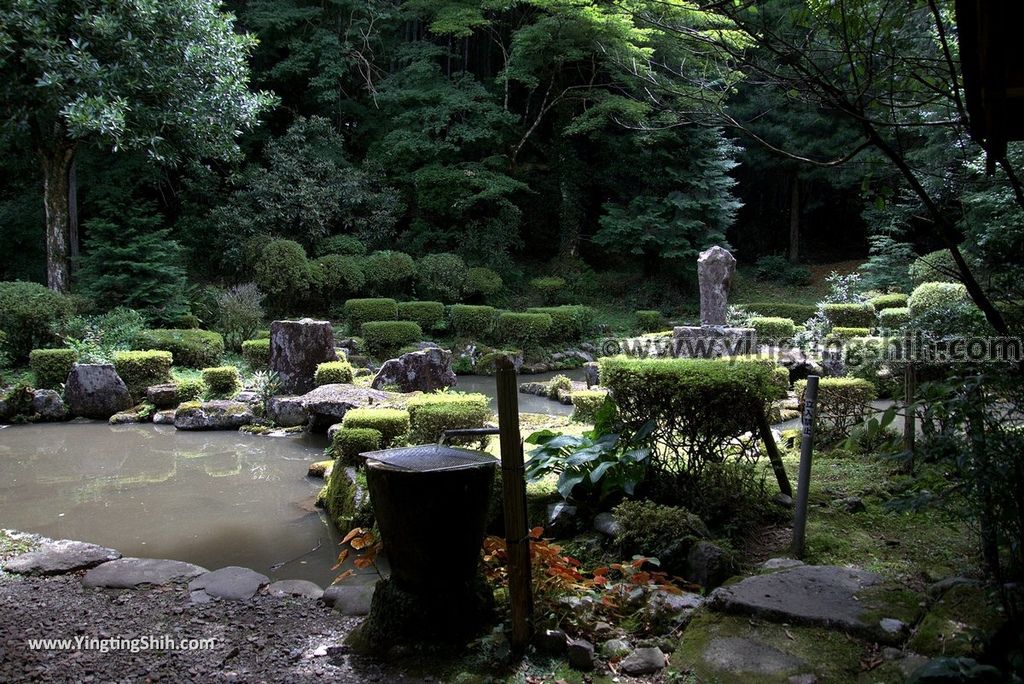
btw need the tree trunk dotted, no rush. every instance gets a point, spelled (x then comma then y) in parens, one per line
(794, 220)
(56, 163)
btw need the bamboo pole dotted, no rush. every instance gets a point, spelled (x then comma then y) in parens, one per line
(909, 414)
(803, 485)
(773, 454)
(513, 480)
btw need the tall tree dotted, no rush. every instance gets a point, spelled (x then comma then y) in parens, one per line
(166, 75)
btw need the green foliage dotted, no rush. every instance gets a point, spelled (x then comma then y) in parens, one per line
(428, 315)
(239, 314)
(795, 312)
(266, 385)
(655, 531)
(388, 272)
(850, 315)
(140, 369)
(549, 287)
(474, 322)
(887, 266)
(933, 295)
(482, 284)
(359, 311)
(775, 268)
(191, 348)
(586, 404)
(569, 323)
(332, 372)
(222, 382)
(889, 301)
(842, 404)
(773, 328)
(339, 276)
(190, 389)
(844, 333)
(779, 373)
(934, 267)
(29, 313)
(431, 414)
(349, 442)
(557, 384)
(340, 245)
(282, 271)
(525, 329)
(893, 319)
(441, 275)
(130, 260)
(386, 337)
(648, 321)
(256, 353)
(393, 424)
(51, 366)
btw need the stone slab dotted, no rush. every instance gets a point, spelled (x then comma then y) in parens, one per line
(126, 573)
(232, 583)
(58, 556)
(293, 587)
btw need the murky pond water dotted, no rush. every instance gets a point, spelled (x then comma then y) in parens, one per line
(528, 403)
(212, 498)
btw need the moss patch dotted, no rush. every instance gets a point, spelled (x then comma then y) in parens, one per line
(958, 624)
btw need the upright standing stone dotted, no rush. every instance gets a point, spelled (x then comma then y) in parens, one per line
(715, 268)
(296, 349)
(95, 390)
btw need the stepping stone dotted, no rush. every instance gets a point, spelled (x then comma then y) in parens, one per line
(232, 583)
(740, 654)
(55, 557)
(301, 588)
(133, 572)
(643, 661)
(349, 598)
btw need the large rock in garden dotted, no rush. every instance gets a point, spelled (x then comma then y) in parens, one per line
(48, 406)
(425, 371)
(708, 342)
(163, 396)
(293, 587)
(287, 411)
(328, 404)
(708, 564)
(57, 556)
(95, 390)
(297, 348)
(126, 573)
(715, 269)
(220, 414)
(232, 583)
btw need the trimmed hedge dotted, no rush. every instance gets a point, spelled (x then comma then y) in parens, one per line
(222, 382)
(796, 312)
(569, 322)
(524, 328)
(647, 320)
(850, 315)
(842, 404)
(393, 424)
(190, 389)
(550, 287)
(140, 369)
(482, 283)
(29, 312)
(51, 366)
(431, 414)
(895, 300)
(773, 328)
(385, 337)
(256, 353)
(344, 245)
(927, 296)
(359, 311)
(842, 333)
(340, 275)
(586, 403)
(388, 272)
(893, 319)
(474, 322)
(349, 442)
(780, 374)
(191, 348)
(333, 372)
(428, 315)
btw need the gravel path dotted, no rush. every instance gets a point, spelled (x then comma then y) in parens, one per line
(265, 639)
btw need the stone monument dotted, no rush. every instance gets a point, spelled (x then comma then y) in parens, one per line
(713, 338)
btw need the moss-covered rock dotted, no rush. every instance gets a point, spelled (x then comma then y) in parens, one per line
(346, 499)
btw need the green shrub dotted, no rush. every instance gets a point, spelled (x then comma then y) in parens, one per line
(344, 245)
(333, 372)
(779, 373)
(429, 315)
(842, 333)
(893, 319)
(487, 364)
(239, 314)
(473, 322)
(648, 321)
(526, 329)
(140, 369)
(349, 442)
(934, 295)
(895, 300)
(431, 414)
(842, 404)
(222, 382)
(51, 366)
(282, 270)
(388, 273)
(340, 276)
(662, 532)
(549, 287)
(585, 404)
(796, 312)
(559, 383)
(256, 353)
(777, 268)
(482, 284)
(569, 322)
(773, 328)
(850, 315)
(191, 348)
(190, 389)
(393, 424)
(387, 337)
(29, 315)
(359, 311)
(934, 267)
(441, 275)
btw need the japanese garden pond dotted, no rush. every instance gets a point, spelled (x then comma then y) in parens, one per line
(528, 403)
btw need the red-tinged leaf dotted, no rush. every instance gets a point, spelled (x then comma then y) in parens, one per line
(362, 563)
(536, 532)
(354, 532)
(600, 571)
(345, 575)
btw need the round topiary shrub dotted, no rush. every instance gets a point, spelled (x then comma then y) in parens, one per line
(893, 319)
(191, 348)
(482, 284)
(526, 329)
(431, 414)
(392, 424)
(558, 385)
(549, 287)
(340, 276)
(333, 372)
(386, 337)
(647, 321)
(388, 272)
(282, 270)
(441, 275)
(342, 245)
(29, 315)
(190, 389)
(773, 328)
(927, 296)
(586, 403)
(472, 322)
(256, 353)
(569, 323)
(934, 267)
(222, 382)
(140, 369)
(889, 301)
(428, 315)
(349, 442)
(850, 315)
(359, 311)
(51, 366)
